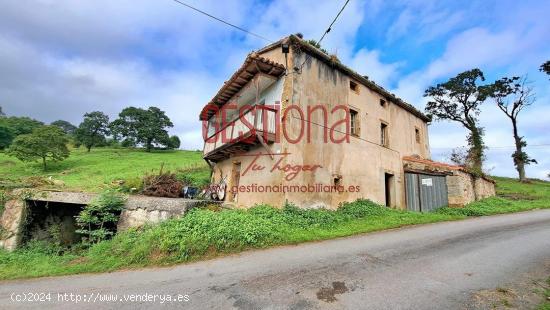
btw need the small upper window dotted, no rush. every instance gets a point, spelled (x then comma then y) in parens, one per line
(354, 122)
(383, 103)
(417, 135)
(354, 86)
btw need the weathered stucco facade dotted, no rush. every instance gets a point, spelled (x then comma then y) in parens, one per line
(343, 129)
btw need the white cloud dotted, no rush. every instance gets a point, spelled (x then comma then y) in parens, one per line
(401, 25)
(474, 48)
(54, 88)
(311, 18)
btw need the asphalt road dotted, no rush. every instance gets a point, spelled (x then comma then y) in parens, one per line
(436, 266)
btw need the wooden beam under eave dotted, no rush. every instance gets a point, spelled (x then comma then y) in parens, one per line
(243, 80)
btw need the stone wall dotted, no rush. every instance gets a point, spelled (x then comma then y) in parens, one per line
(11, 223)
(459, 190)
(460, 187)
(485, 188)
(463, 188)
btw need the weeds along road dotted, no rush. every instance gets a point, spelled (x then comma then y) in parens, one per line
(435, 266)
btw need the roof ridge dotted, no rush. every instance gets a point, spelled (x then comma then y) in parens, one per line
(361, 78)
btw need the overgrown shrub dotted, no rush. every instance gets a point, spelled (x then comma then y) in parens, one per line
(204, 231)
(489, 206)
(97, 221)
(362, 208)
(42, 247)
(311, 218)
(307, 218)
(132, 185)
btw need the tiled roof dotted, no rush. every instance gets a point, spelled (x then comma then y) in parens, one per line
(252, 65)
(433, 163)
(442, 166)
(304, 45)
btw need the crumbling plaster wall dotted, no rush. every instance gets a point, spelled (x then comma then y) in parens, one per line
(464, 188)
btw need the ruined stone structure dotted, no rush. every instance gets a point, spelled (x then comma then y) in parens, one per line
(293, 122)
(31, 214)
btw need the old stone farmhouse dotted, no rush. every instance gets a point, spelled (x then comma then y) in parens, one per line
(295, 124)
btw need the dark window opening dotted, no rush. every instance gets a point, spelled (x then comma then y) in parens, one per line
(354, 86)
(383, 103)
(354, 122)
(337, 180)
(388, 188)
(384, 134)
(417, 135)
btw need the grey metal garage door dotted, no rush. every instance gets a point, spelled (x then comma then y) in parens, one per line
(425, 192)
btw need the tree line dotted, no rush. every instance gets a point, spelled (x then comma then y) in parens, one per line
(459, 100)
(30, 140)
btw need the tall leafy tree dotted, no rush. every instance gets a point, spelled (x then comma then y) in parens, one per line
(174, 142)
(44, 143)
(512, 95)
(146, 127)
(67, 127)
(93, 129)
(20, 125)
(6, 137)
(458, 100)
(545, 67)
(2, 112)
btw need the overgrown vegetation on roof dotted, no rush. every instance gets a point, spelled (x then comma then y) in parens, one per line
(317, 45)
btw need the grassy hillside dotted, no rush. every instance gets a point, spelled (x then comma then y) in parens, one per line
(94, 171)
(512, 196)
(205, 233)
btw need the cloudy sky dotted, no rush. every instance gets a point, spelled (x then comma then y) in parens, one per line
(62, 58)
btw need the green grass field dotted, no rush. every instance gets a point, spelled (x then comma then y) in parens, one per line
(205, 233)
(95, 171)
